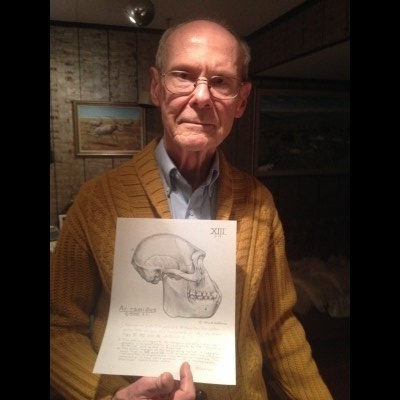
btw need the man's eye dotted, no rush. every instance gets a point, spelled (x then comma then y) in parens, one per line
(184, 76)
(219, 81)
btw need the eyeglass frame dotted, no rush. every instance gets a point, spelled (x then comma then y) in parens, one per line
(202, 80)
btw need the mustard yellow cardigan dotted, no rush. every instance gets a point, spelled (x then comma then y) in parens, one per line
(81, 274)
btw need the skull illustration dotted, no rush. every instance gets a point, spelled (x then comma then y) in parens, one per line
(188, 290)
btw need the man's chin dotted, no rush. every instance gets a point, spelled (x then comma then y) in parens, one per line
(193, 139)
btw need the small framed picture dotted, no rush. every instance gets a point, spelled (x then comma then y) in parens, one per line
(61, 218)
(107, 128)
(302, 131)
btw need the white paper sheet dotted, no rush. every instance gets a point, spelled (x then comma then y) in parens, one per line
(161, 314)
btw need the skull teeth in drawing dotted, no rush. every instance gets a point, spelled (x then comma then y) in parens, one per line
(188, 290)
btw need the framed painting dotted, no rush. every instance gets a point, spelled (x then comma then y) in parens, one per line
(300, 131)
(108, 128)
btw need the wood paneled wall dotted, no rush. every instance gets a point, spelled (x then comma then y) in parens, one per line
(310, 27)
(96, 65)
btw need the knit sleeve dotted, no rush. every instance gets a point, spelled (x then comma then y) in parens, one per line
(75, 286)
(285, 349)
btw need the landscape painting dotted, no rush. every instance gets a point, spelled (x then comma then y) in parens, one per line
(108, 129)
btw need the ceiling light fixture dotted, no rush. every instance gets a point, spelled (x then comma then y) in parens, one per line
(140, 12)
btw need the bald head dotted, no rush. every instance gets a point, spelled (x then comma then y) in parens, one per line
(206, 33)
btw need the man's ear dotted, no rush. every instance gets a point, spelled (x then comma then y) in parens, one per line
(243, 95)
(155, 89)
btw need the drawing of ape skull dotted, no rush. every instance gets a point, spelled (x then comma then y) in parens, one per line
(188, 290)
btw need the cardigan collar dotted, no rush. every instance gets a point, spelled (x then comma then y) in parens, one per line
(149, 176)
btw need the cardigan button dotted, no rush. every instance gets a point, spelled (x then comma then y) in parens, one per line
(201, 395)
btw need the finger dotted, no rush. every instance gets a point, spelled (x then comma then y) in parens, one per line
(148, 387)
(186, 384)
(165, 383)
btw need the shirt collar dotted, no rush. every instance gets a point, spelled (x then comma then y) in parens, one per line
(169, 170)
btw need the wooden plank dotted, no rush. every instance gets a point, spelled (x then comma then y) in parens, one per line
(93, 64)
(97, 166)
(65, 83)
(260, 50)
(313, 27)
(335, 12)
(278, 43)
(295, 36)
(123, 66)
(153, 126)
(147, 47)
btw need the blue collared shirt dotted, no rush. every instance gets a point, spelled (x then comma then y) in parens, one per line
(183, 202)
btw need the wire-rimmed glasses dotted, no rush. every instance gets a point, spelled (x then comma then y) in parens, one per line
(183, 83)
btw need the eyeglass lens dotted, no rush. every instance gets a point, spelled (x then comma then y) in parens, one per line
(184, 83)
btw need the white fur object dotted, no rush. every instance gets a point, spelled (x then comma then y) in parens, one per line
(324, 285)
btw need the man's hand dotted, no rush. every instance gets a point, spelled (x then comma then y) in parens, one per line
(163, 387)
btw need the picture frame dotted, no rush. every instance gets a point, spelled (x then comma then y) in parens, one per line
(301, 131)
(108, 128)
(61, 218)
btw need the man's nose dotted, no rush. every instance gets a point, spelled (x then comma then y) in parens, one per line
(204, 82)
(202, 94)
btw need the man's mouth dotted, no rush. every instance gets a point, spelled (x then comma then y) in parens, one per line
(197, 123)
